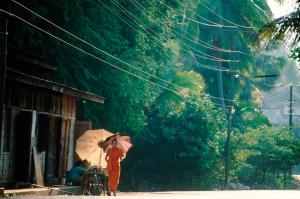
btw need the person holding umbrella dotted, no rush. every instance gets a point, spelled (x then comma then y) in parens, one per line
(115, 147)
(113, 157)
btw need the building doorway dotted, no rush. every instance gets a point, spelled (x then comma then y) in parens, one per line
(23, 131)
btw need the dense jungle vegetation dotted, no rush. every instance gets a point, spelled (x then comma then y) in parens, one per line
(202, 56)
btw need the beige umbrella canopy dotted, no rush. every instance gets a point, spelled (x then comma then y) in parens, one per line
(87, 147)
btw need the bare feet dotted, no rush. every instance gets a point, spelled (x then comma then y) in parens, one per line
(108, 193)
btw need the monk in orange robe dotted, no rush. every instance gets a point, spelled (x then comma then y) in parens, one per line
(113, 157)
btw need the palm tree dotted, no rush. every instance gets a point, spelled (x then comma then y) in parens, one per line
(242, 14)
(191, 84)
(239, 13)
(286, 28)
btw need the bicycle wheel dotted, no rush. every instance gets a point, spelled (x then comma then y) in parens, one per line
(86, 187)
(95, 186)
(86, 191)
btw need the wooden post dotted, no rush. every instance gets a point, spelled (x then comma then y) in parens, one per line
(37, 167)
(3, 54)
(291, 109)
(71, 145)
(32, 142)
(2, 192)
(229, 126)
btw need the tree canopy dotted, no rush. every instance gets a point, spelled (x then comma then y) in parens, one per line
(170, 72)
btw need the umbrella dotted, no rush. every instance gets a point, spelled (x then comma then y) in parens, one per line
(87, 147)
(123, 142)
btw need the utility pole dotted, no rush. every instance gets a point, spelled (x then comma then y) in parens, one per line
(291, 108)
(228, 112)
(228, 145)
(3, 53)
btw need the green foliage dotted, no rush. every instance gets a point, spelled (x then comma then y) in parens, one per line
(178, 151)
(246, 116)
(178, 138)
(188, 82)
(265, 156)
(296, 54)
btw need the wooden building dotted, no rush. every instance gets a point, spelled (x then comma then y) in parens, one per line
(38, 114)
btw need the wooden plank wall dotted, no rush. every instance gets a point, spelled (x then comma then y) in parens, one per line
(52, 148)
(63, 155)
(33, 100)
(71, 145)
(60, 144)
(69, 106)
(7, 148)
(67, 134)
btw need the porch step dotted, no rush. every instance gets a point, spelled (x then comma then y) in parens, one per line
(45, 191)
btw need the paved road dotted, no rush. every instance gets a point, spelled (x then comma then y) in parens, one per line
(191, 195)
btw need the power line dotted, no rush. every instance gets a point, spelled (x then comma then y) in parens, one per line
(141, 7)
(212, 11)
(196, 21)
(129, 14)
(220, 105)
(203, 44)
(201, 17)
(95, 57)
(179, 56)
(125, 11)
(212, 58)
(205, 66)
(106, 52)
(273, 85)
(259, 8)
(85, 52)
(87, 43)
(286, 102)
(97, 47)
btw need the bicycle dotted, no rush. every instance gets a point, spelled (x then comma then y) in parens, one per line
(94, 182)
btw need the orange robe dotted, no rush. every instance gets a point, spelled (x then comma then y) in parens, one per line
(113, 167)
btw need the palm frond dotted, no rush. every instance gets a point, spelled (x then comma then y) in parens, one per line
(283, 29)
(189, 80)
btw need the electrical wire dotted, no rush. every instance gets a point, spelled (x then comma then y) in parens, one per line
(221, 17)
(85, 52)
(160, 43)
(205, 66)
(96, 48)
(125, 11)
(95, 57)
(196, 21)
(201, 17)
(272, 85)
(203, 45)
(297, 85)
(106, 52)
(259, 8)
(141, 7)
